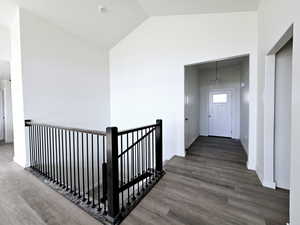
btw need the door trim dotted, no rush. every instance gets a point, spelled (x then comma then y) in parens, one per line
(268, 179)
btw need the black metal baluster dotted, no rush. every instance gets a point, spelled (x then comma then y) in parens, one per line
(30, 147)
(41, 150)
(122, 182)
(50, 152)
(53, 154)
(104, 188)
(70, 163)
(47, 151)
(36, 148)
(138, 161)
(93, 182)
(56, 156)
(128, 172)
(132, 158)
(33, 146)
(82, 152)
(78, 171)
(74, 164)
(88, 170)
(149, 155)
(66, 158)
(63, 159)
(152, 166)
(60, 158)
(146, 155)
(98, 173)
(143, 158)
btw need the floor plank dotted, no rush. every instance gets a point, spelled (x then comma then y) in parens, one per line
(27, 201)
(211, 186)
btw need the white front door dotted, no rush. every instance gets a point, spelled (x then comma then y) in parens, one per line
(220, 120)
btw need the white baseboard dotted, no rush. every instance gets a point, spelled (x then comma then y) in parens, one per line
(269, 184)
(250, 166)
(266, 183)
(20, 162)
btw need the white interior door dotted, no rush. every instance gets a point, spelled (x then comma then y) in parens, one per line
(1, 115)
(282, 131)
(220, 117)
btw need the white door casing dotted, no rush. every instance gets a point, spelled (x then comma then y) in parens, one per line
(220, 115)
(1, 115)
(282, 120)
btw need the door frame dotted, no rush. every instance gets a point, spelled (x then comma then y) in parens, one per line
(232, 105)
(2, 104)
(269, 109)
(253, 101)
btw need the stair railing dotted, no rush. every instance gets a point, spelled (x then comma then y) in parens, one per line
(104, 173)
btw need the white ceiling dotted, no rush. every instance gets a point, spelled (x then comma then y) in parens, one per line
(178, 7)
(82, 18)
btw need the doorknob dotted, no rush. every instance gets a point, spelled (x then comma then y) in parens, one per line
(209, 116)
(186, 119)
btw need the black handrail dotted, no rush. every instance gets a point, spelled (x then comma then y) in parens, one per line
(136, 129)
(88, 131)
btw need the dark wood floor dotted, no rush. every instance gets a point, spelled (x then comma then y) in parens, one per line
(211, 186)
(25, 200)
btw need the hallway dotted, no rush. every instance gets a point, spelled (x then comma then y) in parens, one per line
(211, 186)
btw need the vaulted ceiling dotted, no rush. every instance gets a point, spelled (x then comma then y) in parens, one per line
(120, 17)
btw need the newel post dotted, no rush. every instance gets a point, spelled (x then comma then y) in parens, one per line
(158, 146)
(112, 173)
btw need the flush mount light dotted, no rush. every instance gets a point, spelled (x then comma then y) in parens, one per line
(101, 8)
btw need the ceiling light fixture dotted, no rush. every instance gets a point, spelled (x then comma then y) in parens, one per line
(101, 9)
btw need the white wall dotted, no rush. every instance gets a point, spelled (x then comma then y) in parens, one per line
(244, 113)
(65, 81)
(192, 104)
(147, 68)
(275, 17)
(61, 79)
(4, 44)
(229, 77)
